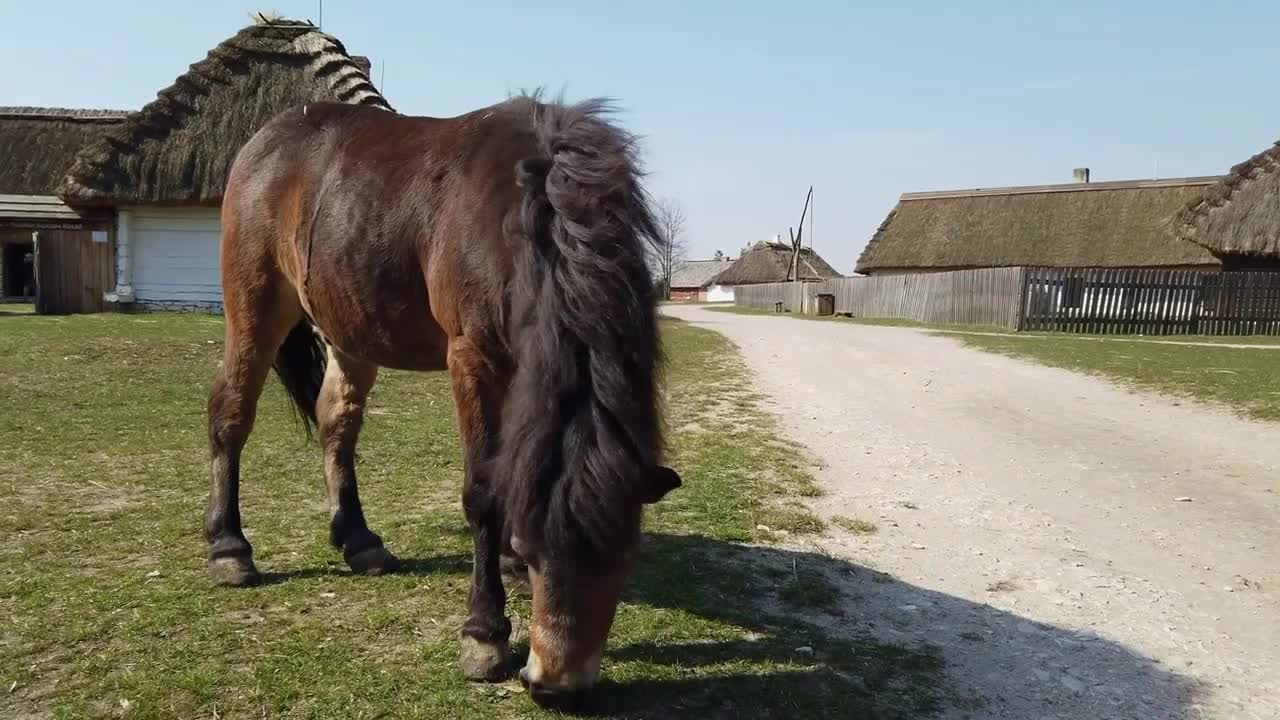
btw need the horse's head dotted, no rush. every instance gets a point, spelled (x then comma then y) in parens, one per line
(573, 608)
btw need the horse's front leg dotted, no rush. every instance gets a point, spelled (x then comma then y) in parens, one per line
(485, 648)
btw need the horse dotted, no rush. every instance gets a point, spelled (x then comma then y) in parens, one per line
(507, 245)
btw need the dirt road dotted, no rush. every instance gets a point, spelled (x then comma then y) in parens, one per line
(1076, 550)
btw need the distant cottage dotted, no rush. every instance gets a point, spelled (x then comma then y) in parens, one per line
(1125, 224)
(769, 262)
(699, 281)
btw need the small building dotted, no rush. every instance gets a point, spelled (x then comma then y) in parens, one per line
(163, 169)
(1126, 224)
(770, 262)
(697, 281)
(1238, 218)
(69, 250)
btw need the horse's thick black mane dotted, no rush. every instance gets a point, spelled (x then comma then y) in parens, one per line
(581, 426)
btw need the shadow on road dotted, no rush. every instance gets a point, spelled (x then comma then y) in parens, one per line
(862, 657)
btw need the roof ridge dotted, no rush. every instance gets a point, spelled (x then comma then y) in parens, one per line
(62, 113)
(1063, 187)
(300, 45)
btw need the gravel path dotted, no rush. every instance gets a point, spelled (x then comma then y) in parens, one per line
(1076, 550)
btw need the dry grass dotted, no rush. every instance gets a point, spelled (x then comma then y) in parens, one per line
(856, 526)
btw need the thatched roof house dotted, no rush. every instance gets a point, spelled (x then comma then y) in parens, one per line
(38, 145)
(1082, 224)
(1238, 218)
(162, 169)
(768, 262)
(179, 147)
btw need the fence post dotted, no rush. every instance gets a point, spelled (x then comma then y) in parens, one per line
(1020, 319)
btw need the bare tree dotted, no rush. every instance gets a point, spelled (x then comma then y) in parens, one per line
(672, 248)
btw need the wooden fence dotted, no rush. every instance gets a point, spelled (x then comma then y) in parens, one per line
(1100, 301)
(1152, 302)
(971, 297)
(795, 297)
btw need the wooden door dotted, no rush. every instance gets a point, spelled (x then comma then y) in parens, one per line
(73, 270)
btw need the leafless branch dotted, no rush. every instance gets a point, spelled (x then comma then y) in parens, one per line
(672, 248)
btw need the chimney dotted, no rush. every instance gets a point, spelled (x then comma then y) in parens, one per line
(1081, 174)
(363, 63)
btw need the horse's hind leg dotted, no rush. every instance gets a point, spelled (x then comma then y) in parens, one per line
(255, 331)
(339, 415)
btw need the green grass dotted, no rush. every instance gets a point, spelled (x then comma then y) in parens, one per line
(810, 591)
(1241, 379)
(796, 520)
(105, 602)
(16, 308)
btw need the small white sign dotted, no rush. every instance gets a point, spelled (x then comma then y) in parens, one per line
(99, 236)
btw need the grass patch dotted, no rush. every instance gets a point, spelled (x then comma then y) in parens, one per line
(794, 520)
(854, 525)
(1241, 379)
(875, 322)
(810, 591)
(102, 587)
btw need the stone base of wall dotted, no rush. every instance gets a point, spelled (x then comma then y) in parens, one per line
(204, 308)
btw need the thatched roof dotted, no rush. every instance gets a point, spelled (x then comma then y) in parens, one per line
(1241, 213)
(768, 262)
(698, 273)
(38, 145)
(1103, 224)
(179, 147)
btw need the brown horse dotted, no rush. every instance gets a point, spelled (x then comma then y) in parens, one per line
(507, 245)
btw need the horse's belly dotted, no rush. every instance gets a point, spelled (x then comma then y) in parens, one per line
(391, 333)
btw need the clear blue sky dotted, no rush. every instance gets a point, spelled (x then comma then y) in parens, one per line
(743, 106)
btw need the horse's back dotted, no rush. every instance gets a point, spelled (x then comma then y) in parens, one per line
(375, 219)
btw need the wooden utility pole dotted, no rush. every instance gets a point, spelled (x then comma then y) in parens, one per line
(793, 272)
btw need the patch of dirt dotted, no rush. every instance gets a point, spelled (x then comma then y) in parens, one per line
(1028, 524)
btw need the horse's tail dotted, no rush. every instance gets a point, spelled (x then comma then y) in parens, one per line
(581, 422)
(300, 363)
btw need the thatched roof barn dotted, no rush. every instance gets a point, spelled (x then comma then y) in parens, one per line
(1238, 218)
(768, 262)
(38, 145)
(1082, 224)
(179, 147)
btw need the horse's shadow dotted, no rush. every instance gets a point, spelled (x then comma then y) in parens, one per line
(843, 661)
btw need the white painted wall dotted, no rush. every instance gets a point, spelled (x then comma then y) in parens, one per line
(720, 293)
(174, 257)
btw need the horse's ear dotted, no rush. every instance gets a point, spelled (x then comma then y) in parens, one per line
(662, 480)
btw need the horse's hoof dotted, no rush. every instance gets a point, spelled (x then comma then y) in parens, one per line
(376, 560)
(233, 571)
(484, 662)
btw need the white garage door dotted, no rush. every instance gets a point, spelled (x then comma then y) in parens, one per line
(175, 257)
